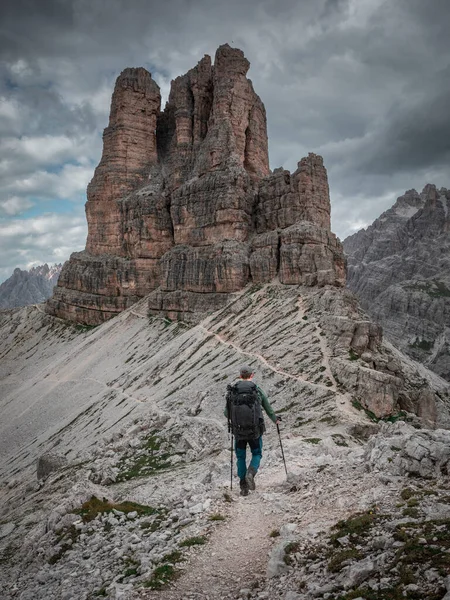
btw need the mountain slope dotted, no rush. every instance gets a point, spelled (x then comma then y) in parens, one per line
(29, 287)
(136, 408)
(399, 267)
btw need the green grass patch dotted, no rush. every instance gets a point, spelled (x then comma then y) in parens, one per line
(94, 507)
(339, 439)
(193, 541)
(339, 559)
(330, 420)
(312, 440)
(274, 533)
(407, 493)
(216, 517)
(161, 576)
(357, 525)
(352, 355)
(173, 557)
(152, 461)
(411, 512)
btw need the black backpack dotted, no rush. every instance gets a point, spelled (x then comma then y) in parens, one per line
(244, 410)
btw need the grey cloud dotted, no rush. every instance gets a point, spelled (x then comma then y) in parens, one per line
(363, 83)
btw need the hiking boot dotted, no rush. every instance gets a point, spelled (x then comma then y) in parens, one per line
(250, 478)
(244, 488)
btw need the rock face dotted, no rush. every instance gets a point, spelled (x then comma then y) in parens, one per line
(183, 205)
(399, 267)
(29, 287)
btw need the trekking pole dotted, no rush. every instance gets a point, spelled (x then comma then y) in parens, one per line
(282, 451)
(231, 462)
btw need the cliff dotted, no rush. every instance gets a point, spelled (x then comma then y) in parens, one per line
(183, 205)
(399, 267)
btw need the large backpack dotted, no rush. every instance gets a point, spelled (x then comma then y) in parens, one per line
(244, 410)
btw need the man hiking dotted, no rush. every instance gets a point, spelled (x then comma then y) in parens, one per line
(245, 419)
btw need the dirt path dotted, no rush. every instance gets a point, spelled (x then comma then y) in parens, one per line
(236, 554)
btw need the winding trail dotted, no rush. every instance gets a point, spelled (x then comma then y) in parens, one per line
(261, 358)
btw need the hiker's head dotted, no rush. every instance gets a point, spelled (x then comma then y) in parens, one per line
(246, 372)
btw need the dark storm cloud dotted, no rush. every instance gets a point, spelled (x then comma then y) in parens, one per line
(365, 83)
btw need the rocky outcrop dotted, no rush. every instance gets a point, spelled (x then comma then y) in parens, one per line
(183, 202)
(399, 267)
(402, 450)
(29, 287)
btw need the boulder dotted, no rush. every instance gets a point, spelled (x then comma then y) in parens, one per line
(47, 463)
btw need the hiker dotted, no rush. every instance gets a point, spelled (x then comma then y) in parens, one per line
(245, 420)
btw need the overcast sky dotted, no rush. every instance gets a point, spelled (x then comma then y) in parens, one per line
(365, 83)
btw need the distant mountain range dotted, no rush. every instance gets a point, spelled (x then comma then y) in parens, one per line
(399, 267)
(29, 287)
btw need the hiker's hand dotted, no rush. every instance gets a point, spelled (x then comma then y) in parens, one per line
(279, 419)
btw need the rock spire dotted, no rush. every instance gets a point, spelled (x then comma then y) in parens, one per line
(183, 205)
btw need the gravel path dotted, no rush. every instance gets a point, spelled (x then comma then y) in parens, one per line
(236, 555)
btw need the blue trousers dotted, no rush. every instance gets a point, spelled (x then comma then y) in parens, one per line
(240, 448)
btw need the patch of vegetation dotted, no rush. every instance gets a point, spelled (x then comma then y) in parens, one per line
(173, 557)
(193, 541)
(217, 517)
(288, 407)
(299, 422)
(155, 523)
(312, 440)
(227, 497)
(411, 512)
(385, 593)
(339, 559)
(339, 439)
(426, 542)
(274, 533)
(66, 537)
(422, 345)
(330, 420)
(94, 507)
(151, 461)
(357, 526)
(80, 328)
(161, 576)
(435, 289)
(100, 592)
(401, 416)
(352, 355)
(291, 548)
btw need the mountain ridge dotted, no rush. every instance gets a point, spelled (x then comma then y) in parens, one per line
(399, 268)
(29, 287)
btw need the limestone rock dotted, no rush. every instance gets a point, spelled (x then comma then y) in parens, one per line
(311, 255)
(276, 564)
(399, 268)
(401, 449)
(183, 202)
(47, 463)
